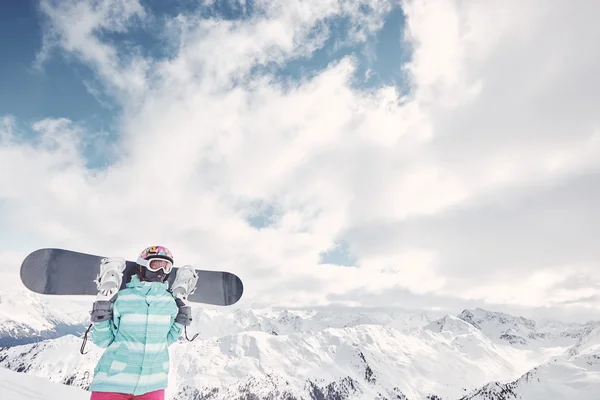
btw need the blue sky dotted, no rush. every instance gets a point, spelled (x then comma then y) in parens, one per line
(57, 90)
(64, 87)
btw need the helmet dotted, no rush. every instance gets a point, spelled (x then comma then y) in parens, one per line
(155, 252)
(155, 264)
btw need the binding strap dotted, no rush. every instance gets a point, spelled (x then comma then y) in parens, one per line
(85, 340)
(186, 335)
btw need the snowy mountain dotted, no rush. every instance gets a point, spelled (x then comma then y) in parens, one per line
(365, 361)
(334, 354)
(212, 323)
(569, 355)
(522, 331)
(563, 379)
(25, 318)
(588, 343)
(16, 386)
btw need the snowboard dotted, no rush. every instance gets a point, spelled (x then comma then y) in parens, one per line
(64, 272)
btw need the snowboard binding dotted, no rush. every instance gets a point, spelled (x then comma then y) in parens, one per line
(110, 277)
(185, 282)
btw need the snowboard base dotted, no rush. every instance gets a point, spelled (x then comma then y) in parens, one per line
(54, 271)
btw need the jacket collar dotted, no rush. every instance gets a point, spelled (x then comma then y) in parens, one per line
(136, 283)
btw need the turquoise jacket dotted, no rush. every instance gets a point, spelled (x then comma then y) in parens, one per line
(136, 359)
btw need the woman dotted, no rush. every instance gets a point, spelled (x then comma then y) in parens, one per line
(136, 326)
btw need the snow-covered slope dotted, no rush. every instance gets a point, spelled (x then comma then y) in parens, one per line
(18, 386)
(563, 379)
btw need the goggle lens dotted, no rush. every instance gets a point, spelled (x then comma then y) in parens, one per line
(157, 264)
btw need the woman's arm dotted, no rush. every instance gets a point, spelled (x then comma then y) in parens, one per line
(181, 319)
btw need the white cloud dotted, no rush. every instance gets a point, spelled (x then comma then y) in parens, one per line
(74, 27)
(7, 128)
(502, 106)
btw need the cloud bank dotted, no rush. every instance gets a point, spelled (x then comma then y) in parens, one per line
(477, 185)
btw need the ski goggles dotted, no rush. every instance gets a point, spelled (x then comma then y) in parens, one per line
(156, 264)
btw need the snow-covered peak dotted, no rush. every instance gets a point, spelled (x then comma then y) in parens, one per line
(498, 325)
(452, 324)
(211, 322)
(25, 317)
(27, 308)
(588, 343)
(480, 315)
(409, 321)
(521, 331)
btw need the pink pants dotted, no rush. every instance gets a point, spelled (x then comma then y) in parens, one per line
(157, 395)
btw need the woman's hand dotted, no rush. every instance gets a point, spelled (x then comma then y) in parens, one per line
(184, 316)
